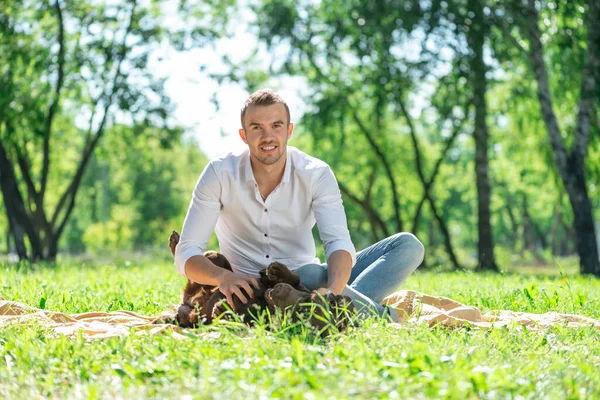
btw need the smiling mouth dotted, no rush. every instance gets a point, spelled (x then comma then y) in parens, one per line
(268, 149)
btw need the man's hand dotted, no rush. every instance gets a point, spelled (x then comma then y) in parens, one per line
(233, 283)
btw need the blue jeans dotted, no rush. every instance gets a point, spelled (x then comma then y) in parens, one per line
(379, 270)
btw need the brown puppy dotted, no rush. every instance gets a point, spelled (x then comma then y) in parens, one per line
(280, 288)
(202, 303)
(194, 305)
(322, 312)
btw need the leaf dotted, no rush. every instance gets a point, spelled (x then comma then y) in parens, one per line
(119, 369)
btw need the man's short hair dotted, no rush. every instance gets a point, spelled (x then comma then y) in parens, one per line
(264, 97)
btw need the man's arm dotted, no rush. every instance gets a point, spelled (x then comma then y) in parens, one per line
(199, 224)
(333, 230)
(202, 215)
(339, 266)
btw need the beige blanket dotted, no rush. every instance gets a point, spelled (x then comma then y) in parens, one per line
(90, 324)
(412, 308)
(417, 308)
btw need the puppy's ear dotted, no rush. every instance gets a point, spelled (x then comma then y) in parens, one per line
(342, 302)
(263, 276)
(218, 259)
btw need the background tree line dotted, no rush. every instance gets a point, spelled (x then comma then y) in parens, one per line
(473, 124)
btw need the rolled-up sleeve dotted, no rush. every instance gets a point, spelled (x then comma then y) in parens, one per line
(330, 216)
(201, 218)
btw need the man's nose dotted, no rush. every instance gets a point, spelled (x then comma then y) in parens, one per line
(268, 132)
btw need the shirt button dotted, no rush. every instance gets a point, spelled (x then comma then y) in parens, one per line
(266, 210)
(267, 256)
(266, 235)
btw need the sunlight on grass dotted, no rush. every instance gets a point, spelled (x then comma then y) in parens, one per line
(375, 360)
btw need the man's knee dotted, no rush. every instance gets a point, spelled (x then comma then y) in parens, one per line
(313, 276)
(410, 246)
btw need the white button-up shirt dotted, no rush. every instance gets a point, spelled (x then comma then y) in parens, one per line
(252, 233)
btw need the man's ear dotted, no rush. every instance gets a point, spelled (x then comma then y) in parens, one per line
(242, 133)
(290, 130)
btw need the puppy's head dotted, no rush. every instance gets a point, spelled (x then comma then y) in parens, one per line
(328, 312)
(187, 316)
(284, 295)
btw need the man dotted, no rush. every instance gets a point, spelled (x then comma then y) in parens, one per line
(263, 204)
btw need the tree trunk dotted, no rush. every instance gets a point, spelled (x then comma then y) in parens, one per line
(446, 234)
(18, 234)
(587, 246)
(571, 165)
(555, 240)
(19, 221)
(528, 236)
(8, 234)
(52, 249)
(514, 235)
(35, 224)
(476, 35)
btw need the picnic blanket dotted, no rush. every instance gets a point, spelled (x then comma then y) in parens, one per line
(89, 325)
(418, 308)
(412, 308)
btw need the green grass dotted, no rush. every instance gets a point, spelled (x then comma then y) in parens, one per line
(376, 360)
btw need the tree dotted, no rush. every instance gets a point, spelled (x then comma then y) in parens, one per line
(69, 71)
(477, 32)
(571, 163)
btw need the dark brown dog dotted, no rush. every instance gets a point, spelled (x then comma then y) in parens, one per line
(321, 312)
(280, 288)
(200, 304)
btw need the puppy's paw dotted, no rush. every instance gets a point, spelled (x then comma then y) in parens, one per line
(277, 272)
(167, 317)
(222, 309)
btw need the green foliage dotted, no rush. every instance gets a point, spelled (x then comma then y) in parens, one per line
(365, 61)
(361, 61)
(116, 233)
(132, 198)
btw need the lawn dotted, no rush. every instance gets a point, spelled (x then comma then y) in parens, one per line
(376, 360)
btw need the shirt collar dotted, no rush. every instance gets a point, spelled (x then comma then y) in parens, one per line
(287, 172)
(248, 168)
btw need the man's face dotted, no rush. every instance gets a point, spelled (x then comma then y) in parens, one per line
(266, 132)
